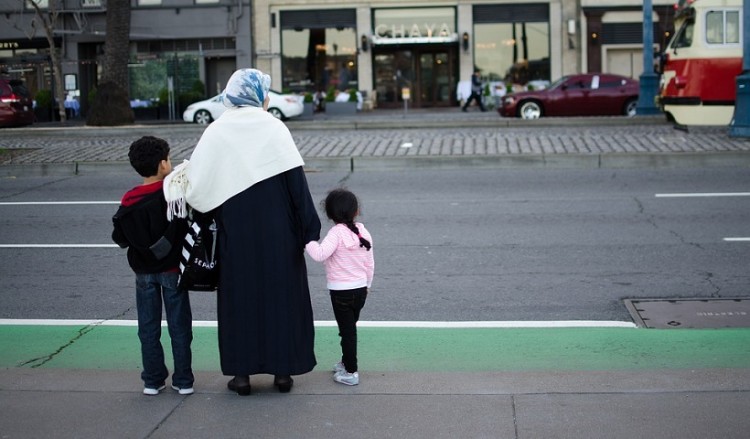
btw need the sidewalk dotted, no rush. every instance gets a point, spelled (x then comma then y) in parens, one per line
(503, 405)
(394, 139)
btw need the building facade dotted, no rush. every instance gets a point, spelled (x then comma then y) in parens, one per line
(420, 50)
(194, 45)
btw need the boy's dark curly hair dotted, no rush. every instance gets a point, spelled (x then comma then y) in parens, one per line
(341, 207)
(146, 153)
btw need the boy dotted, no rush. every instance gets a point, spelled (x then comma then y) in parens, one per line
(154, 245)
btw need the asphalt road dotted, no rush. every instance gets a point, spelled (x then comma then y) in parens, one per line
(451, 245)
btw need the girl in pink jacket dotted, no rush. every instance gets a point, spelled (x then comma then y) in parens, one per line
(346, 252)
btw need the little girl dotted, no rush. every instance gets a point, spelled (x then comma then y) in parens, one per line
(347, 255)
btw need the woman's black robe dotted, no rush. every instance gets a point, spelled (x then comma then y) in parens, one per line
(264, 310)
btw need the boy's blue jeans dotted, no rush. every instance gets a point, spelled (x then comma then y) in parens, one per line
(151, 291)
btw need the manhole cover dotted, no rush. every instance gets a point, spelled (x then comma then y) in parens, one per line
(690, 313)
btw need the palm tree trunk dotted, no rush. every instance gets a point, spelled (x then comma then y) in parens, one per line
(112, 101)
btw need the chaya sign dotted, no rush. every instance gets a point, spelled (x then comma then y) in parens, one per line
(426, 30)
(402, 34)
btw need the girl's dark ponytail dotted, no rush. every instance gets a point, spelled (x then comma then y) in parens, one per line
(342, 206)
(362, 241)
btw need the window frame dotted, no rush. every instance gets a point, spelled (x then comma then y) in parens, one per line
(724, 13)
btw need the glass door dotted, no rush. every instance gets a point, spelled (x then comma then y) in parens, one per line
(428, 71)
(436, 83)
(393, 71)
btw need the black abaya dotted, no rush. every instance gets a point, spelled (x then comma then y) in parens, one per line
(264, 309)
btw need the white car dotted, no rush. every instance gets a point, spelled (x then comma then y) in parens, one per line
(281, 106)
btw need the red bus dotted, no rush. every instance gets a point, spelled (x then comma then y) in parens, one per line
(701, 63)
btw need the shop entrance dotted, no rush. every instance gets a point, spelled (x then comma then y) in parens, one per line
(429, 71)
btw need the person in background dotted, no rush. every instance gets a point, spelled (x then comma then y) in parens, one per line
(476, 91)
(343, 77)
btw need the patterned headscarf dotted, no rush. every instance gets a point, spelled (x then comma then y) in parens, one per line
(246, 87)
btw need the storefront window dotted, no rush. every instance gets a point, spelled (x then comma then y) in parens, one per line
(149, 79)
(316, 59)
(512, 52)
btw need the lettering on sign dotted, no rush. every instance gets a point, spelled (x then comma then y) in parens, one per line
(415, 31)
(9, 45)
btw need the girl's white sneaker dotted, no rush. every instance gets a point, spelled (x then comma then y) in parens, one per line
(350, 379)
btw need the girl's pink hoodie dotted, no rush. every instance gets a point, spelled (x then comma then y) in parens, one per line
(348, 266)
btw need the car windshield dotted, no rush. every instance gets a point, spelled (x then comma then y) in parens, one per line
(684, 37)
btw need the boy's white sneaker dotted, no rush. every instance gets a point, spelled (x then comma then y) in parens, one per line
(150, 391)
(350, 379)
(339, 367)
(183, 390)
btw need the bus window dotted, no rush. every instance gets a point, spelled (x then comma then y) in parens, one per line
(723, 27)
(715, 27)
(733, 27)
(684, 36)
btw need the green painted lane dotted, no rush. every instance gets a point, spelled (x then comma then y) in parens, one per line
(407, 349)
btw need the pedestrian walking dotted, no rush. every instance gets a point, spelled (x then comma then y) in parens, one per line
(476, 91)
(347, 254)
(154, 245)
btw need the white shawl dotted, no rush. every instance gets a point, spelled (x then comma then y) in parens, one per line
(244, 146)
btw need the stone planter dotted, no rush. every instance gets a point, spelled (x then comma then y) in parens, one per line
(308, 110)
(146, 113)
(43, 114)
(341, 108)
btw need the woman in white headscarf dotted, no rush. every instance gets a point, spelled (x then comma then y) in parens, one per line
(246, 169)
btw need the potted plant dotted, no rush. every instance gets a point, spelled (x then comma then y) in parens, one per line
(43, 109)
(309, 106)
(487, 97)
(338, 106)
(330, 94)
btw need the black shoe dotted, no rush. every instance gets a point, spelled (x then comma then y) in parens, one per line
(463, 109)
(283, 382)
(240, 384)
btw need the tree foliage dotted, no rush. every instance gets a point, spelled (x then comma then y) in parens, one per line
(47, 18)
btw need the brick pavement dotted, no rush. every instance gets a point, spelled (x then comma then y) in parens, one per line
(393, 135)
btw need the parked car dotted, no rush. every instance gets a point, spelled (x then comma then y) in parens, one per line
(281, 106)
(590, 94)
(16, 105)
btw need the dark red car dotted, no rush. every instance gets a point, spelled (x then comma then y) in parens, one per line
(588, 94)
(16, 106)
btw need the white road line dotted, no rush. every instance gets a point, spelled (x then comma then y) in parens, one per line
(362, 324)
(738, 239)
(59, 246)
(704, 194)
(43, 203)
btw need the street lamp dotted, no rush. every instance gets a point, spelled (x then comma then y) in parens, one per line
(740, 126)
(649, 81)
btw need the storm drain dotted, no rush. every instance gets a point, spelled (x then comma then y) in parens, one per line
(690, 313)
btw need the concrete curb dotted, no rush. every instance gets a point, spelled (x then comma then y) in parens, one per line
(393, 163)
(358, 122)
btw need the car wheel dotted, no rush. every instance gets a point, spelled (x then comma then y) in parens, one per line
(529, 110)
(275, 112)
(202, 117)
(630, 107)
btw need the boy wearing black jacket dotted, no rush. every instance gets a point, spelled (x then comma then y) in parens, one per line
(154, 245)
